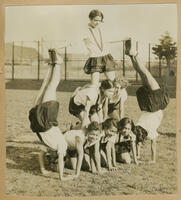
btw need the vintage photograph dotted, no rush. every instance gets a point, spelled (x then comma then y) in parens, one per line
(91, 100)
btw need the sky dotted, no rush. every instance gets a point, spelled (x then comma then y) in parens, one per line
(143, 22)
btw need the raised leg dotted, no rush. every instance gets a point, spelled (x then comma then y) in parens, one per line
(110, 75)
(146, 77)
(73, 162)
(95, 78)
(48, 89)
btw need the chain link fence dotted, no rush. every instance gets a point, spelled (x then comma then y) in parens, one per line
(27, 60)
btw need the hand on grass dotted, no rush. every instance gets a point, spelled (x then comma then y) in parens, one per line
(112, 168)
(69, 177)
(137, 162)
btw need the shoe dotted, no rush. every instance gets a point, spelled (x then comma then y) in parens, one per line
(53, 57)
(44, 171)
(127, 46)
(128, 50)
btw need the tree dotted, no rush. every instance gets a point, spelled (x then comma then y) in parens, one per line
(167, 48)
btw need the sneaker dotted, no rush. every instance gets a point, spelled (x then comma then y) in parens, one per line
(53, 57)
(128, 50)
(44, 171)
(127, 46)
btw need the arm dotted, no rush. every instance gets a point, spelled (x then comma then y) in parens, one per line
(105, 109)
(133, 145)
(153, 150)
(86, 120)
(109, 154)
(60, 165)
(113, 154)
(80, 152)
(138, 149)
(92, 160)
(121, 109)
(100, 116)
(95, 156)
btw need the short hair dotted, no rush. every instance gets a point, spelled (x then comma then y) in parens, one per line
(141, 134)
(94, 126)
(94, 13)
(126, 120)
(106, 84)
(123, 82)
(108, 123)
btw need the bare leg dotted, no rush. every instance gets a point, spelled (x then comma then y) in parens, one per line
(48, 89)
(103, 158)
(39, 97)
(50, 93)
(42, 164)
(73, 162)
(110, 75)
(95, 78)
(146, 77)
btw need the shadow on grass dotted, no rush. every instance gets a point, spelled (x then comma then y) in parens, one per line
(70, 86)
(26, 158)
(23, 158)
(168, 134)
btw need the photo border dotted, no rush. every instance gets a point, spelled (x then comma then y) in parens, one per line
(3, 4)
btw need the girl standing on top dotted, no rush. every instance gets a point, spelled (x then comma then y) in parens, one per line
(100, 60)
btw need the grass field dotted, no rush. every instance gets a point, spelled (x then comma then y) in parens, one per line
(23, 176)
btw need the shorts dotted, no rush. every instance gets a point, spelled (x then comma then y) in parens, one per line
(43, 116)
(113, 110)
(150, 121)
(54, 139)
(152, 100)
(123, 147)
(100, 64)
(72, 153)
(75, 109)
(103, 146)
(112, 107)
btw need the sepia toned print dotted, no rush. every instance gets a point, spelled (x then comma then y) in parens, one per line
(90, 93)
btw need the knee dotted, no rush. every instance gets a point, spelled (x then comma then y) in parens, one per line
(127, 161)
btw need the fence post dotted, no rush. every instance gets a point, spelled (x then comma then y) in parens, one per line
(149, 57)
(38, 60)
(13, 61)
(137, 51)
(123, 60)
(65, 60)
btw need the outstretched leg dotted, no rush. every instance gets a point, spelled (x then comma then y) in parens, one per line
(146, 77)
(52, 78)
